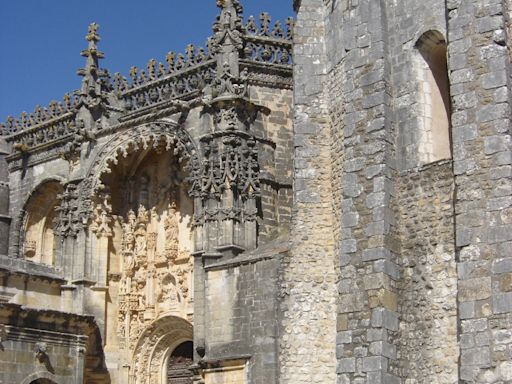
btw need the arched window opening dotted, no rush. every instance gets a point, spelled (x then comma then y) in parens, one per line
(434, 139)
(40, 212)
(179, 362)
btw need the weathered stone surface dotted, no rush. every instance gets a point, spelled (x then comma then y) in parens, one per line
(357, 230)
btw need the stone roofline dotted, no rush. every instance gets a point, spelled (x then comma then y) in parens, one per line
(265, 43)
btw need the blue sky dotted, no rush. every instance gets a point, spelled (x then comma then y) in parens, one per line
(41, 40)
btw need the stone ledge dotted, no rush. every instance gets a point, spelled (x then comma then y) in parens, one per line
(272, 250)
(29, 269)
(33, 320)
(425, 167)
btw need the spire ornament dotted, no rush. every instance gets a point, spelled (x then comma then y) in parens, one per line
(95, 82)
(227, 42)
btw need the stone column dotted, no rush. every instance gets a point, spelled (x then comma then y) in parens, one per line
(101, 228)
(480, 70)
(227, 188)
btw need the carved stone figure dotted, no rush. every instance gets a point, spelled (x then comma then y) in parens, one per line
(171, 232)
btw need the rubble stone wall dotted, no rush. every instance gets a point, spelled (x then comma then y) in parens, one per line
(428, 285)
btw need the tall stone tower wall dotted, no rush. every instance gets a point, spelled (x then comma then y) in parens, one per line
(413, 105)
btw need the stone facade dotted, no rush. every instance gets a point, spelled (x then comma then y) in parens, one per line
(324, 200)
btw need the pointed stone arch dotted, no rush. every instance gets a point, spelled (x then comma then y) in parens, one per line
(154, 346)
(143, 243)
(173, 135)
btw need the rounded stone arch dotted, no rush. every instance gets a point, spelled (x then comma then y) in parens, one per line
(43, 196)
(154, 347)
(434, 106)
(173, 135)
(40, 378)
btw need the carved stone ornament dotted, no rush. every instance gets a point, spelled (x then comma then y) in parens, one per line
(102, 217)
(96, 81)
(68, 221)
(152, 283)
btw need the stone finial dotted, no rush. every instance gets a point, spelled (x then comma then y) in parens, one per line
(152, 69)
(230, 17)
(251, 26)
(265, 23)
(190, 50)
(92, 34)
(171, 56)
(91, 73)
(134, 75)
(227, 42)
(225, 4)
(278, 30)
(290, 24)
(93, 38)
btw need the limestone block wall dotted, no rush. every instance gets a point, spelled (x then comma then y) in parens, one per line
(364, 175)
(241, 311)
(396, 217)
(480, 77)
(408, 21)
(276, 160)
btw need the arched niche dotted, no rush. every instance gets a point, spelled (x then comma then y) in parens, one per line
(38, 224)
(434, 98)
